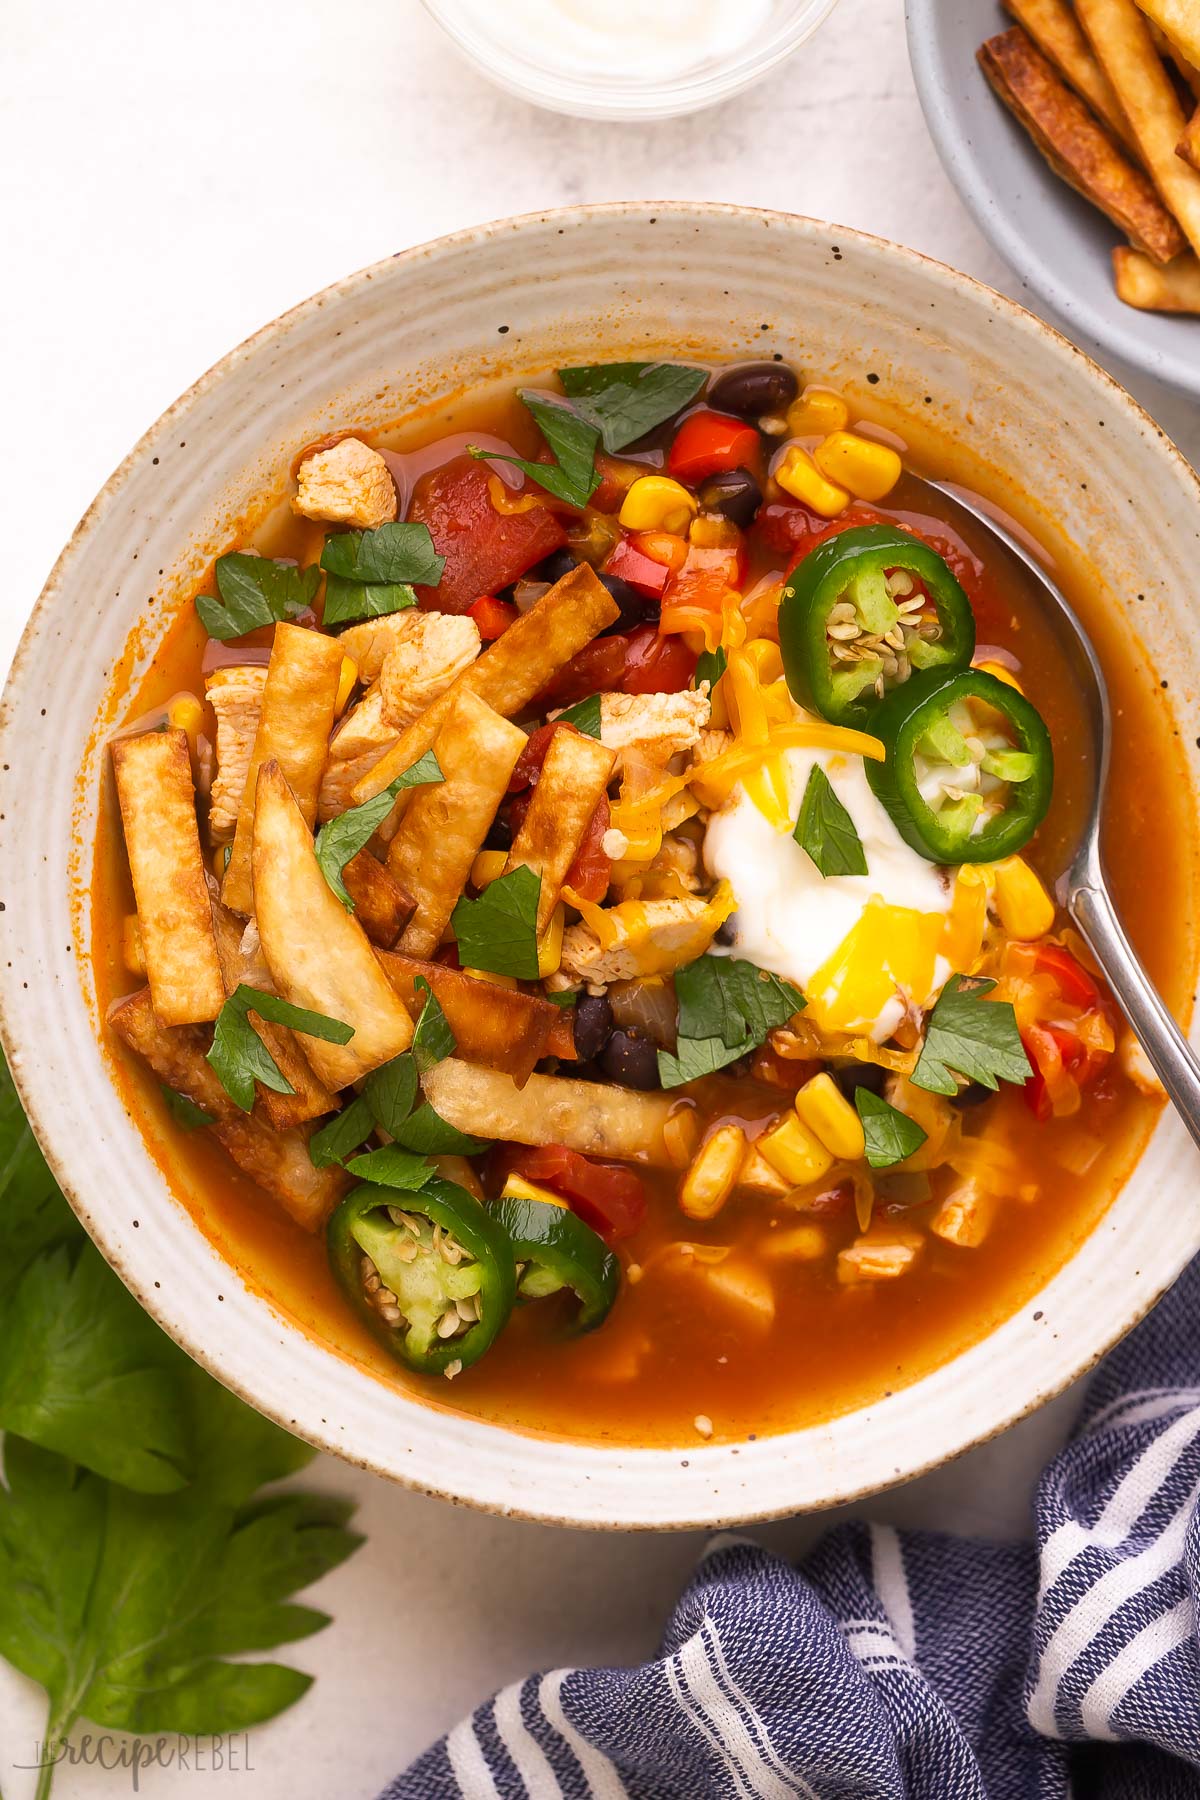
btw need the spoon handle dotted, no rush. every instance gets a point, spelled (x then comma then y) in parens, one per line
(1168, 1051)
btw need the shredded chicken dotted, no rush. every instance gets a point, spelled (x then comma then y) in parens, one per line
(884, 1253)
(965, 1215)
(710, 744)
(658, 933)
(655, 725)
(235, 695)
(349, 485)
(427, 656)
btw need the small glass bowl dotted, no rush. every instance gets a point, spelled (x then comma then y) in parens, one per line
(601, 95)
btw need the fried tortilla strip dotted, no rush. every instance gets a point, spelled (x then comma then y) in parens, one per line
(381, 906)
(502, 1028)
(1055, 30)
(1075, 146)
(298, 705)
(511, 670)
(158, 811)
(587, 1116)
(1147, 94)
(318, 954)
(1141, 283)
(571, 785)
(446, 821)
(1179, 22)
(242, 960)
(1189, 144)
(277, 1160)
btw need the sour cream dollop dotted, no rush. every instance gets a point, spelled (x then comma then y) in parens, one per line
(662, 41)
(791, 919)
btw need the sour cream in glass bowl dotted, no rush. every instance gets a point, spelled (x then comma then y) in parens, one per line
(624, 59)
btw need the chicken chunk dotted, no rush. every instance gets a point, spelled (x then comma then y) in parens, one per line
(427, 657)
(712, 744)
(884, 1253)
(235, 695)
(651, 936)
(655, 725)
(349, 485)
(368, 644)
(965, 1215)
(363, 728)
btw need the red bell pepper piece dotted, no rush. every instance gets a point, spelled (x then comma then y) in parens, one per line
(707, 443)
(484, 549)
(493, 616)
(609, 1198)
(644, 575)
(529, 763)
(656, 663)
(1071, 980)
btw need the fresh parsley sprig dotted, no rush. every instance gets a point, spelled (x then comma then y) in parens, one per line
(498, 931)
(239, 1056)
(710, 666)
(254, 591)
(572, 475)
(340, 840)
(726, 1008)
(890, 1134)
(369, 574)
(626, 400)
(970, 1036)
(826, 831)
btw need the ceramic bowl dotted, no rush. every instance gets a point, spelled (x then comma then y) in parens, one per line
(591, 283)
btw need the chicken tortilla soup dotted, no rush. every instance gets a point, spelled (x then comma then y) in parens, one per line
(575, 907)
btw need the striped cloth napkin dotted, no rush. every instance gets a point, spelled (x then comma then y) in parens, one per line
(910, 1666)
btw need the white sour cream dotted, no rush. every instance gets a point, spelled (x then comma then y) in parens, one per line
(661, 40)
(790, 919)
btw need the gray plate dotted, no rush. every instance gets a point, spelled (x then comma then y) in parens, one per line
(1057, 242)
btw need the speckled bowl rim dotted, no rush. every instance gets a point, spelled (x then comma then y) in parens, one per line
(106, 1232)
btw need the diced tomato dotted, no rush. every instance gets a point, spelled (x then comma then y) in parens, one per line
(655, 664)
(608, 1197)
(484, 549)
(644, 575)
(1070, 978)
(709, 442)
(792, 530)
(529, 763)
(591, 872)
(492, 616)
(1061, 1060)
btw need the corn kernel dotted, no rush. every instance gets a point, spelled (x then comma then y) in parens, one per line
(711, 532)
(220, 860)
(680, 1134)
(185, 713)
(488, 866)
(504, 981)
(798, 1155)
(346, 680)
(656, 503)
(868, 469)
(1001, 674)
(1025, 908)
(517, 1188)
(825, 1109)
(817, 412)
(709, 1182)
(550, 944)
(799, 476)
(798, 1243)
(133, 953)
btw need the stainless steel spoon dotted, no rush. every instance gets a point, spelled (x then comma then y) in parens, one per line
(1087, 898)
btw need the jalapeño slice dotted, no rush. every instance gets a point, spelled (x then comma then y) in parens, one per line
(861, 613)
(969, 767)
(554, 1250)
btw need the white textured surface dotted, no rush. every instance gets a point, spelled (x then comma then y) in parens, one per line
(173, 177)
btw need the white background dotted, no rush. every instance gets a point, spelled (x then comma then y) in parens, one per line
(173, 176)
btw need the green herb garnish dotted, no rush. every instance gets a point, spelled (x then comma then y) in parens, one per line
(346, 601)
(584, 716)
(826, 831)
(185, 1112)
(498, 932)
(710, 666)
(392, 1167)
(972, 1036)
(431, 1135)
(341, 1136)
(340, 840)
(238, 1054)
(255, 590)
(726, 1008)
(369, 574)
(626, 400)
(433, 1038)
(391, 1092)
(890, 1134)
(572, 475)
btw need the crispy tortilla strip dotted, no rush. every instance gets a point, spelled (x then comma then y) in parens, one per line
(318, 953)
(1179, 22)
(158, 811)
(1055, 30)
(381, 906)
(1142, 283)
(502, 1028)
(298, 705)
(242, 960)
(1147, 94)
(1075, 145)
(277, 1160)
(1189, 144)
(574, 777)
(587, 1116)
(512, 670)
(446, 821)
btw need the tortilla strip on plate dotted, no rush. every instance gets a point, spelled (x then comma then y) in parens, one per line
(1055, 30)
(1142, 283)
(446, 821)
(515, 667)
(571, 785)
(595, 1119)
(299, 700)
(242, 960)
(1075, 145)
(1179, 22)
(277, 1160)
(318, 953)
(502, 1028)
(381, 906)
(1122, 43)
(158, 810)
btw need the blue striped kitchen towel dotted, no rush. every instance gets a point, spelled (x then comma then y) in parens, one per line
(909, 1666)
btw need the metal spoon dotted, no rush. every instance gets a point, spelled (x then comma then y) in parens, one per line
(1088, 899)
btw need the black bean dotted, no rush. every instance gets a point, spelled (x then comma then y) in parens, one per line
(974, 1094)
(553, 567)
(754, 390)
(631, 1060)
(500, 831)
(593, 1024)
(734, 494)
(635, 608)
(860, 1075)
(727, 933)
